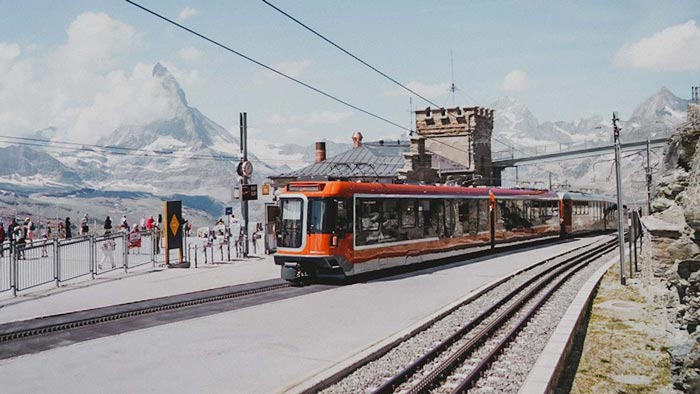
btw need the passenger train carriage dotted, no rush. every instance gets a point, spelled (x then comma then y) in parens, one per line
(340, 229)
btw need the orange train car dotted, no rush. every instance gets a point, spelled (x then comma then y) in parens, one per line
(339, 229)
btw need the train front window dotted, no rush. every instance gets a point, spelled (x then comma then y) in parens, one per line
(318, 217)
(289, 234)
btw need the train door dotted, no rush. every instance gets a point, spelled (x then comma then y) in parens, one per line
(271, 213)
(566, 209)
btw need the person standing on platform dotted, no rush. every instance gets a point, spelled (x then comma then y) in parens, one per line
(124, 224)
(108, 225)
(84, 229)
(108, 248)
(67, 225)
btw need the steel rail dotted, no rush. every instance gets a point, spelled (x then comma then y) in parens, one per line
(110, 317)
(391, 384)
(457, 358)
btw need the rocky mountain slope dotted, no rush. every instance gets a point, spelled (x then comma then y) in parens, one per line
(671, 266)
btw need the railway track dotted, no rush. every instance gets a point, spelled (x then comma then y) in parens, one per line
(450, 353)
(34, 335)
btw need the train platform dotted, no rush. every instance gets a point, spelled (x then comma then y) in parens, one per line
(139, 284)
(302, 339)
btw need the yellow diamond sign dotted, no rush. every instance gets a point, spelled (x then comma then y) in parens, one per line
(174, 224)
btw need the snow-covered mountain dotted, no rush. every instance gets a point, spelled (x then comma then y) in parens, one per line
(194, 153)
(515, 124)
(196, 161)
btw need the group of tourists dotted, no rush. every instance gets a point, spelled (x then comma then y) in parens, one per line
(20, 234)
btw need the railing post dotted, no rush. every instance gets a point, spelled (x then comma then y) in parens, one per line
(195, 256)
(57, 260)
(153, 248)
(125, 242)
(13, 270)
(91, 240)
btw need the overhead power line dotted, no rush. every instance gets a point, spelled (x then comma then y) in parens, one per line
(62, 146)
(324, 38)
(114, 149)
(383, 74)
(269, 68)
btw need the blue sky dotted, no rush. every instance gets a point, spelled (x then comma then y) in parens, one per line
(81, 65)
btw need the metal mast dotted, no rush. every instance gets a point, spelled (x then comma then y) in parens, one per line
(620, 212)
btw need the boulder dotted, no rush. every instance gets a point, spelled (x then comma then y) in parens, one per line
(669, 223)
(688, 269)
(661, 204)
(683, 249)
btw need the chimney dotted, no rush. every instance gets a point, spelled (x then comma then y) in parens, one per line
(320, 152)
(357, 139)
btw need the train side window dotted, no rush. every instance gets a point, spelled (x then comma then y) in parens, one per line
(369, 216)
(458, 230)
(423, 214)
(483, 216)
(367, 222)
(437, 218)
(408, 212)
(390, 221)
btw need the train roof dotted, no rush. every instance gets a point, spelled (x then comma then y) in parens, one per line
(345, 188)
(579, 196)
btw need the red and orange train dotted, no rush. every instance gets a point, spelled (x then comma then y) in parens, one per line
(339, 229)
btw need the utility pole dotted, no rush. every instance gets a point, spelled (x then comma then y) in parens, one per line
(649, 175)
(620, 213)
(243, 120)
(550, 181)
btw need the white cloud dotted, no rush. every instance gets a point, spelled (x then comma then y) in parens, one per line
(676, 48)
(8, 53)
(95, 43)
(515, 81)
(308, 119)
(293, 68)
(187, 13)
(190, 54)
(78, 87)
(425, 90)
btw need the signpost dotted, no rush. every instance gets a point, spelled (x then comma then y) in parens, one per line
(173, 229)
(249, 192)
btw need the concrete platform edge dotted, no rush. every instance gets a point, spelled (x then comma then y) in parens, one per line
(545, 373)
(319, 378)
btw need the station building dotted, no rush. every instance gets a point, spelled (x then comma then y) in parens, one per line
(450, 146)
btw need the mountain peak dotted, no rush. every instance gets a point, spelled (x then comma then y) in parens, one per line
(663, 91)
(168, 81)
(664, 106)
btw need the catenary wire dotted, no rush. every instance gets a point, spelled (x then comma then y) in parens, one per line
(321, 36)
(280, 73)
(125, 151)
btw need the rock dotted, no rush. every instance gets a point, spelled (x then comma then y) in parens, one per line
(670, 223)
(692, 216)
(683, 249)
(691, 381)
(686, 268)
(661, 203)
(680, 350)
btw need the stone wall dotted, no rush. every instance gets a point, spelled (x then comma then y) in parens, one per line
(671, 255)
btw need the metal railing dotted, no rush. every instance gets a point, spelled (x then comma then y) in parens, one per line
(40, 262)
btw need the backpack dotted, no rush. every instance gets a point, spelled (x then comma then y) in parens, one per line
(32, 226)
